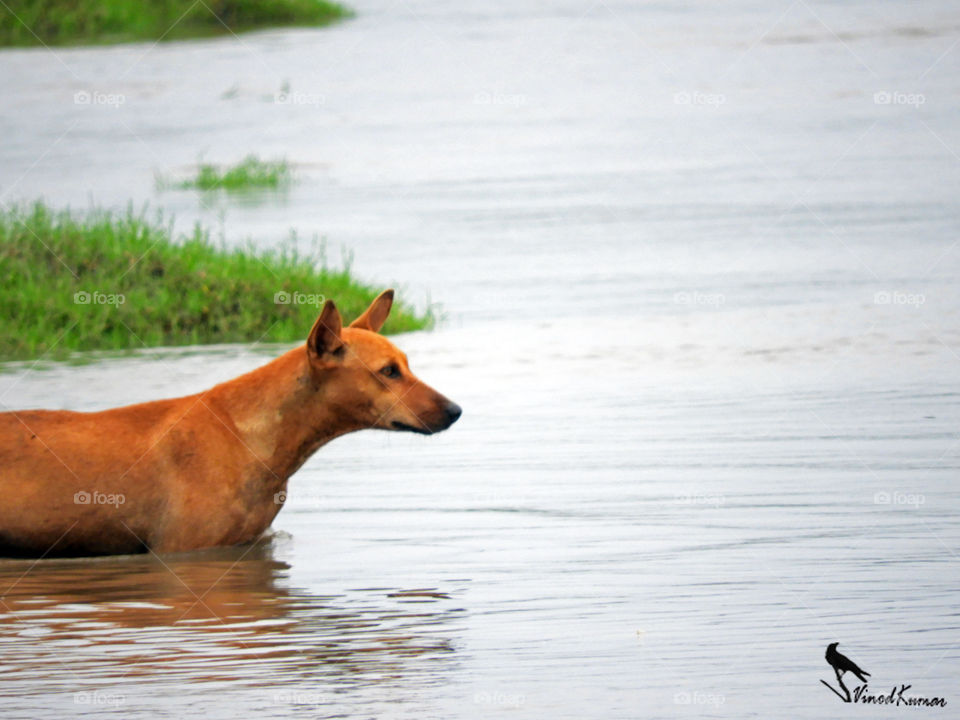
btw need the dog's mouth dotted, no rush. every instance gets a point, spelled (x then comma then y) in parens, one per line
(397, 425)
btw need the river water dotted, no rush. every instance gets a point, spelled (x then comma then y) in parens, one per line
(698, 269)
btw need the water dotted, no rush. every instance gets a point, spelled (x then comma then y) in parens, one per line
(701, 315)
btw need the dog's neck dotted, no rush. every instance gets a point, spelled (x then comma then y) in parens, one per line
(280, 413)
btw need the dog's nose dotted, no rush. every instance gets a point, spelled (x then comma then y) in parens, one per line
(454, 412)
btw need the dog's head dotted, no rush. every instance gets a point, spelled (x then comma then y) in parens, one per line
(367, 378)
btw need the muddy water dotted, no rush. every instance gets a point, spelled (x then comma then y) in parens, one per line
(699, 275)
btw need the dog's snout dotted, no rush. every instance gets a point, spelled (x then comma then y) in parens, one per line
(454, 412)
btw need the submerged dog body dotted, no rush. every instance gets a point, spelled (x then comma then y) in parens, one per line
(207, 469)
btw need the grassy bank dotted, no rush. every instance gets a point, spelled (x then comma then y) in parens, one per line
(250, 174)
(107, 281)
(74, 22)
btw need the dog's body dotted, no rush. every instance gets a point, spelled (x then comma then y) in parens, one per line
(208, 469)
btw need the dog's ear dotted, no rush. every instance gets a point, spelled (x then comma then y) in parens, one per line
(376, 315)
(324, 338)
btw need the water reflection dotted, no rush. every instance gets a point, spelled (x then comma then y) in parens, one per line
(222, 616)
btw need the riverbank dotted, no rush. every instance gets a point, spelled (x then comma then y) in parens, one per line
(80, 22)
(122, 281)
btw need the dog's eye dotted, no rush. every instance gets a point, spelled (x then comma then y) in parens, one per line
(391, 371)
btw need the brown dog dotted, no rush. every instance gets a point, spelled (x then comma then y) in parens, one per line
(207, 469)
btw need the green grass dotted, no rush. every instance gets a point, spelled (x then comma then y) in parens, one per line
(71, 22)
(251, 173)
(119, 281)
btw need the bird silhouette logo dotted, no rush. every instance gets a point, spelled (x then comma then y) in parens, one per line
(842, 664)
(860, 694)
